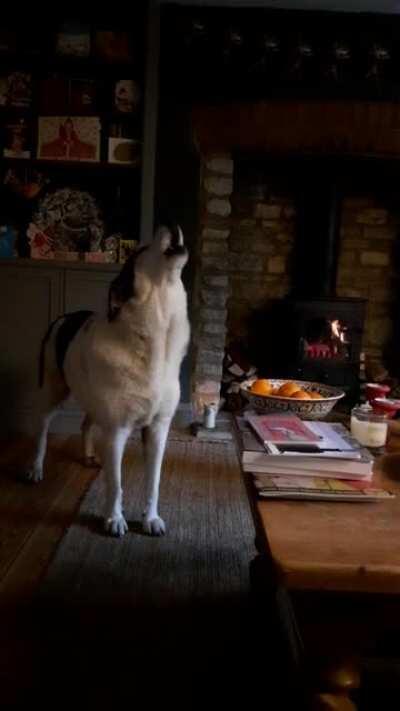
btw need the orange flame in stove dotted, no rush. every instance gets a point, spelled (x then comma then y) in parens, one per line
(338, 330)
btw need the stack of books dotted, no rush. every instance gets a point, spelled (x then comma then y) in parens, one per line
(294, 459)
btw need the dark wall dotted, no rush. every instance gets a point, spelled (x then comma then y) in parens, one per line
(177, 187)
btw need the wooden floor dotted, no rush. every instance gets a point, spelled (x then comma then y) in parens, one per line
(34, 518)
(160, 621)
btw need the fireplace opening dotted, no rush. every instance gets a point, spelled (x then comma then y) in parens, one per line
(310, 339)
(309, 333)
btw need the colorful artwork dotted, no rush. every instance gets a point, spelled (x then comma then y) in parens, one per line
(65, 138)
(70, 221)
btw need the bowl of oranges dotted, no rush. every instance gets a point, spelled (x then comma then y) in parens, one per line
(308, 400)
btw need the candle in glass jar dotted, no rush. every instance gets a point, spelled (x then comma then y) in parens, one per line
(368, 428)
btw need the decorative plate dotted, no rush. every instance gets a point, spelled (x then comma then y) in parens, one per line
(71, 219)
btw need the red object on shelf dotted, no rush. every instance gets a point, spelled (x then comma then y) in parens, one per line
(376, 390)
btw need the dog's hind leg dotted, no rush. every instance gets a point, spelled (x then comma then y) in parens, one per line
(52, 394)
(114, 445)
(154, 439)
(53, 390)
(89, 455)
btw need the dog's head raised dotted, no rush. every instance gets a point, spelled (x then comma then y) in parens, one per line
(164, 257)
(169, 244)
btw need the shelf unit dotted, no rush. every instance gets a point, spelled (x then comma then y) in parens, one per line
(117, 187)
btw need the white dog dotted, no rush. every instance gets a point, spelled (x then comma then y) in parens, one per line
(123, 370)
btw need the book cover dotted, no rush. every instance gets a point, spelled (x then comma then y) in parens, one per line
(282, 429)
(319, 489)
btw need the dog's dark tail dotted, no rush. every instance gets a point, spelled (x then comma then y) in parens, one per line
(65, 335)
(42, 352)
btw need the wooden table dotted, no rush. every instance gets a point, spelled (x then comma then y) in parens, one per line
(328, 564)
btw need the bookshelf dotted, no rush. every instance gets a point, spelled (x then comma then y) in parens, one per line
(72, 100)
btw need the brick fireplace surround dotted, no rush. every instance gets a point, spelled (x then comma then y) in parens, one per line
(245, 241)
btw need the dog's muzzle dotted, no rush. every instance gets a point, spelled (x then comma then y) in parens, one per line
(176, 247)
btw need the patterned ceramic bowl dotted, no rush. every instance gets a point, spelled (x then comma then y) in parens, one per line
(306, 409)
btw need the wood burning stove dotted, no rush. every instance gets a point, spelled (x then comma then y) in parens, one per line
(324, 342)
(313, 334)
(311, 339)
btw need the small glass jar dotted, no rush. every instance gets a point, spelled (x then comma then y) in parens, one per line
(368, 427)
(209, 416)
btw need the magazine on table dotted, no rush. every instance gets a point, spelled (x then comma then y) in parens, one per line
(287, 430)
(318, 489)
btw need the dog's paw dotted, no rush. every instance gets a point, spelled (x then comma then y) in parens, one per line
(154, 526)
(116, 526)
(92, 462)
(33, 475)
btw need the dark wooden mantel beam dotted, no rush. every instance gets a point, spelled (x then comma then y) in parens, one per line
(293, 127)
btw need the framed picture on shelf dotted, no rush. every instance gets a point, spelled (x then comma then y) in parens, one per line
(126, 96)
(16, 90)
(113, 46)
(73, 40)
(17, 140)
(123, 150)
(74, 138)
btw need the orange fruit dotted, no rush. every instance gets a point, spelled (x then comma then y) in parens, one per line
(314, 395)
(287, 389)
(261, 387)
(300, 395)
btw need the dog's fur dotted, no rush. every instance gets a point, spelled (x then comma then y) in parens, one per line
(123, 370)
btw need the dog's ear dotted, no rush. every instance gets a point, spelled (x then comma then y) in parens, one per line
(122, 288)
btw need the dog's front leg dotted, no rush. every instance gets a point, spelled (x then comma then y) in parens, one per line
(113, 452)
(154, 440)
